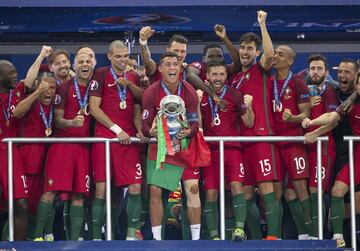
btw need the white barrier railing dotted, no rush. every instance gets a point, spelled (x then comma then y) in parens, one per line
(221, 141)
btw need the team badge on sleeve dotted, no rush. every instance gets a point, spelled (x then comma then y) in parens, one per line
(145, 114)
(94, 85)
(57, 99)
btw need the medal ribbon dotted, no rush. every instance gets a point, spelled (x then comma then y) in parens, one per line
(214, 110)
(276, 91)
(166, 90)
(58, 82)
(46, 121)
(121, 90)
(82, 103)
(240, 82)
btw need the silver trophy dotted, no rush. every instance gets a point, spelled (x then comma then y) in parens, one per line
(172, 107)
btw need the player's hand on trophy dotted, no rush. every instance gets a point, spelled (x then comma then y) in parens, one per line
(261, 16)
(78, 121)
(310, 138)
(315, 100)
(287, 115)
(184, 133)
(145, 33)
(142, 138)
(220, 31)
(306, 123)
(45, 51)
(124, 138)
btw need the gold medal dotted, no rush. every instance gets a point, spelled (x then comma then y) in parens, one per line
(7, 123)
(81, 112)
(48, 132)
(123, 105)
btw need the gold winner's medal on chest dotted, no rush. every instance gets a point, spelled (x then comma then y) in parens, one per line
(48, 132)
(123, 105)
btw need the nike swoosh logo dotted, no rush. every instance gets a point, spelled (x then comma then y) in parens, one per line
(111, 85)
(133, 220)
(74, 96)
(356, 116)
(137, 177)
(204, 104)
(196, 173)
(266, 174)
(300, 172)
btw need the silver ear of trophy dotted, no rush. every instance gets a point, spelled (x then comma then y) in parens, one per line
(172, 107)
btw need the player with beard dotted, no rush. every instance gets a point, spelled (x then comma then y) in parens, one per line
(259, 158)
(217, 122)
(341, 186)
(67, 166)
(36, 120)
(196, 72)
(8, 76)
(117, 114)
(161, 179)
(323, 99)
(291, 104)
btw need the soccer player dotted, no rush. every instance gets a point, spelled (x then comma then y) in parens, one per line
(341, 186)
(68, 165)
(259, 158)
(196, 72)
(169, 176)
(291, 104)
(323, 100)
(117, 114)
(36, 120)
(8, 76)
(217, 122)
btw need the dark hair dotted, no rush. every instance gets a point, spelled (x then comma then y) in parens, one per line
(251, 37)
(177, 38)
(55, 53)
(44, 75)
(211, 46)
(351, 61)
(215, 63)
(318, 57)
(168, 54)
(133, 56)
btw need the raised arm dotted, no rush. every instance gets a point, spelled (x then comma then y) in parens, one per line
(24, 106)
(150, 65)
(220, 31)
(267, 45)
(34, 69)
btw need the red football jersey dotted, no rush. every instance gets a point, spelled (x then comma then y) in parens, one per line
(295, 93)
(107, 90)
(251, 82)
(66, 99)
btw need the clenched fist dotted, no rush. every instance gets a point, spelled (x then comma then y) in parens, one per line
(261, 16)
(145, 33)
(248, 100)
(287, 115)
(220, 31)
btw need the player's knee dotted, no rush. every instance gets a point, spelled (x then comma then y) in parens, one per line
(236, 188)
(211, 195)
(21, 208)
(77, 200)
(48, 197)
(338, 191)
(155, 193)
(100, 190)
(135, 188)
(192, 194)
(289, 194)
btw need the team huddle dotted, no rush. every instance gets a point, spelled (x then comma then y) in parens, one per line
(254, 95)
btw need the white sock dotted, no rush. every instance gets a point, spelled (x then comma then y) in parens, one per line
(195, 231)
(338, 236)
(156, 232)
(303, 237)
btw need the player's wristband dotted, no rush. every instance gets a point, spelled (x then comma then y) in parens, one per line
(116, 129)
(142, 42)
